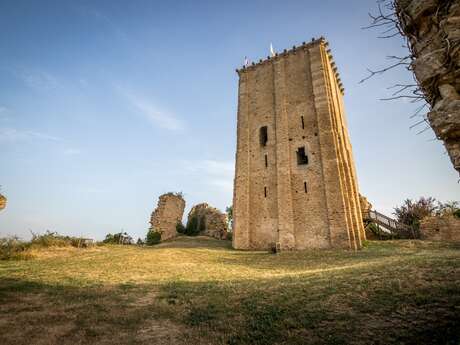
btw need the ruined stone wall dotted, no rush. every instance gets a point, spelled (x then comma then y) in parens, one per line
(366, 206)
(445, 228)
(169, 212)
(298, 96)
(433, 31)
(2, 202)
(210, 219)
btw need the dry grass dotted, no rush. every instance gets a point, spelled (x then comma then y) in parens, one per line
(200, 291)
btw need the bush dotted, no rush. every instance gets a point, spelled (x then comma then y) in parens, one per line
(180, 228)
(140, 242)
(193, 227)
(229, 236)
(412, 212)
(153, 237)
(457, 213)
(118, 238)
(13, 248)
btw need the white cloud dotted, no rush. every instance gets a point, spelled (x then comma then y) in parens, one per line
(215, 173)
(14, 135)
(156, 115)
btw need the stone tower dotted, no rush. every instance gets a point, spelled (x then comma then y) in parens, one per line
(295, 182)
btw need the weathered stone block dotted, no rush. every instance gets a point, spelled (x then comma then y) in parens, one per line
(169, 212)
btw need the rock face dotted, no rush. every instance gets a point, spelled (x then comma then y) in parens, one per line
(209, 220)
(168, 213)
(2, 202)
(433, 31)
(445, 228)
(366, 206)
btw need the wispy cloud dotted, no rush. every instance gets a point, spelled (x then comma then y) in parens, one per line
(15, 135)
(37, 79)
(215, 173)
(152, 112)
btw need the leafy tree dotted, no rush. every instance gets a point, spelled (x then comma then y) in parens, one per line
(180, 228)
(412, 212)
(229, 211)
(153, 237)
(118, 238)
(192, 228)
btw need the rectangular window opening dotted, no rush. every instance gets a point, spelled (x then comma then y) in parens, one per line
(305, 186)
(265, 191)
(302, 157)
(263, 135)
(303, 123)
(266, 160)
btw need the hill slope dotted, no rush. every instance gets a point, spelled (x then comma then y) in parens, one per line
(200, 291)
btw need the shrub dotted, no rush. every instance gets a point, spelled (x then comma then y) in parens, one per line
(13, 248)
(180, 228)
(457, 213)
(229, 236)
(412, 212)
(153, 237)
(193, 226)
(118, 238)
(140, 242)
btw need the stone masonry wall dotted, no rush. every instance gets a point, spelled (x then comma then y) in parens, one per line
(169, 212)
(2, 202)
(446, 228)
(297, 95)
(215, 222)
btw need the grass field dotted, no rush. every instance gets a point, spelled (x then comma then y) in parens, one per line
(200, 291)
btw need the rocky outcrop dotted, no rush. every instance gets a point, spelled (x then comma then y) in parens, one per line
(168, 213)
(432, 28)
(444, 228)
(2, 202)
(208, 221)
(366, 206)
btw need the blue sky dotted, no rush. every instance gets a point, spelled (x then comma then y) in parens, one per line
(105, 105)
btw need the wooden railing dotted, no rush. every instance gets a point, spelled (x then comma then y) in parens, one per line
(393, 226)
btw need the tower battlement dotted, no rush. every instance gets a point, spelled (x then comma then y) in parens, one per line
(295, 182)
(294, 50)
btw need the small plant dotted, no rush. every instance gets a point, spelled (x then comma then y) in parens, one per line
(180, 228)
(193, 226)
(12, 248)
(153, 237)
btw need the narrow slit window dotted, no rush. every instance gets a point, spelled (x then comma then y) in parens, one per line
(302, 158)
(305, 186)
(263, 135)
(265, 192)
(303, 122)
(266, 160)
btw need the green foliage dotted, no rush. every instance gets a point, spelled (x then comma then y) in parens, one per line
(180, 228)
(12, 248)
(229, 236)
(153, 237)
(118, 238)
(229, 211)
(377, 231)
(457, 213)
(412, 212)
(140, 242)
(193, 226)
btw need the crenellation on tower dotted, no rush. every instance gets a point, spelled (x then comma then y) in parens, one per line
(295, 182)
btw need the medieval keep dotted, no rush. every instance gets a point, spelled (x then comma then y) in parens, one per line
(295, 181)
